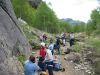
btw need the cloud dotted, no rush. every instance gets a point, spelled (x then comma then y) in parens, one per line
(75, 9)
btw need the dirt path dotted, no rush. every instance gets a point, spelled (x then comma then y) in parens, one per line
(69, 68)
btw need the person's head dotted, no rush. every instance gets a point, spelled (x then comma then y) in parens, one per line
(32, 58)
(42, 44)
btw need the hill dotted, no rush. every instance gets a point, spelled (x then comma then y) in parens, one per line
(71, 21)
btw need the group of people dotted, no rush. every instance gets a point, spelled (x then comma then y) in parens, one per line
(63, 39)
(71, 38)
(43, 37)
(47, 59)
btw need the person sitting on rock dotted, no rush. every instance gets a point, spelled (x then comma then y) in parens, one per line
(56, 64)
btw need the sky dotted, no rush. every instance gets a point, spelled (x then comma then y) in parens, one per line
(75, 9)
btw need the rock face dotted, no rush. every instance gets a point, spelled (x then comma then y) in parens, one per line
(12, 41)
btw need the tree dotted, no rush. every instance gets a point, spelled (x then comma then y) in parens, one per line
(94, 24)
(64, 26)
(95, 17)
(45, 19)
(24, 10)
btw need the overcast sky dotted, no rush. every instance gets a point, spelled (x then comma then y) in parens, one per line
(75, 9)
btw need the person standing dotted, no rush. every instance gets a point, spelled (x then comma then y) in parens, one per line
(64, 39)
(72, 38)
(51, 46)
(58, 45)
(31, 67)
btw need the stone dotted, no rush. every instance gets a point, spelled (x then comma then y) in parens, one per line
(12, 41)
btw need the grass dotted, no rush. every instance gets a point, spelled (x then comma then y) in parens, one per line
(21, 58)
(97, 69)
(94, 41)
(77, 47)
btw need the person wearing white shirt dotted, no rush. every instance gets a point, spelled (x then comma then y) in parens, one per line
(51, 46)
(49, 61)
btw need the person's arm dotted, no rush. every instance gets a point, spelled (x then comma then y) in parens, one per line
(47, 58)
(37, 68)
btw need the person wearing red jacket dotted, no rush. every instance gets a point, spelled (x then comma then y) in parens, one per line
(42, 54)
(42, 50)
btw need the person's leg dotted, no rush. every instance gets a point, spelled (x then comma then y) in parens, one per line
(58, 51)
(52, 52)
(71, 42)
(44, 67)
(50, 68)
(58, 48)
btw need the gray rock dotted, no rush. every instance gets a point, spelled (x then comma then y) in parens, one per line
(12, 41)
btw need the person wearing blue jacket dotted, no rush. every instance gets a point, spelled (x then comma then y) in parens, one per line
(31, 67)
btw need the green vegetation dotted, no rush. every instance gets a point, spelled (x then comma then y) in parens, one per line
(38, 18)
(95, 43)
(64, 27)
(24, 10)
(33, 35)
(81, 27)
(97, 68)
(43, 18)
(21, 58)
(93, 25)
(77, 47)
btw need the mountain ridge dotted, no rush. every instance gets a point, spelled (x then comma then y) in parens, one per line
(71, 21)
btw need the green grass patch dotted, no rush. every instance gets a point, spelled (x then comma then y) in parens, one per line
(77, 47)
(97, 68)
(95, 43)
(21, 58)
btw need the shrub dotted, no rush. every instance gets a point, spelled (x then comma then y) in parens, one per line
(21, 58)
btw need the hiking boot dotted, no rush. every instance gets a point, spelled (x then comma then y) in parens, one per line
(63, 70)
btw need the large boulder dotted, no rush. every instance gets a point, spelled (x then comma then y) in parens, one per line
(12, 41)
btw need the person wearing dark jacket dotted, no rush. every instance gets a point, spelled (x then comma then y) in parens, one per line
(58, 45)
